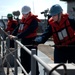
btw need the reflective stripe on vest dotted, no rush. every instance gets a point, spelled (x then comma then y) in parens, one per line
(25, 24)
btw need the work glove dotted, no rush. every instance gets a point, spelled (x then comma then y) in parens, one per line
(37, 41)
(34, 43)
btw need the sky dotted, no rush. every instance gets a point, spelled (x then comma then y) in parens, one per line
(37, 6)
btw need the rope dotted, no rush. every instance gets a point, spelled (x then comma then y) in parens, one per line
(61, 45)
(65, 69)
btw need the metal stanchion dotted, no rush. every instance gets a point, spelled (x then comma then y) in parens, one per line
(33, 62)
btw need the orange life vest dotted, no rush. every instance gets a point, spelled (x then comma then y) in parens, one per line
(63, 34)
(9, 25)
(25, 24)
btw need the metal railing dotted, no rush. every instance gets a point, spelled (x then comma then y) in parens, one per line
(34, 58)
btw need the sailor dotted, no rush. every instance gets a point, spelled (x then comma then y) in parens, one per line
(62, 29)
(27, 32)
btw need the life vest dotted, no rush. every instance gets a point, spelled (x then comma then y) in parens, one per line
(63, 34)
(9, 25)
(25, 23)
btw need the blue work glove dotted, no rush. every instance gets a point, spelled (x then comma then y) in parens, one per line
(37, 41)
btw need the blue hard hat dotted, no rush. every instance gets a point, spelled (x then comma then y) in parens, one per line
(55, 9)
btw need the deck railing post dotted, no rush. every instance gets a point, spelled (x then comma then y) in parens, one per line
(16, 56)
(33, 62)
(0, 43)
(8, 45)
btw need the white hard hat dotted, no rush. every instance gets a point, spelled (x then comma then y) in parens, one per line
(26, 9)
